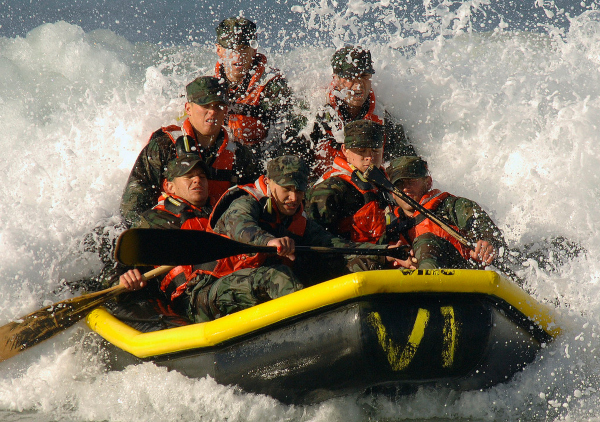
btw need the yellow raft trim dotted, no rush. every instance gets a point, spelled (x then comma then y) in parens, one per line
(338, 290)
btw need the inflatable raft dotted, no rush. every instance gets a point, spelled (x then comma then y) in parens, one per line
(392, 329)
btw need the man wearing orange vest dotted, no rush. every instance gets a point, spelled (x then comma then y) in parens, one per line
(342, 201)
(201, 133)
(434, 247)
(266, 213)
(349, 98)
(261, 100)
(183, 205)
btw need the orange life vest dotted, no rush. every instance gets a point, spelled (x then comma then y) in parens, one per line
(221, 166)
(327, 148)
(431, 201)
(186, 212)
(258, 191)
(368, 223)
(245, 118)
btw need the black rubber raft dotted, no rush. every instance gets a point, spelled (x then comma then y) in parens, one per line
(369, 331)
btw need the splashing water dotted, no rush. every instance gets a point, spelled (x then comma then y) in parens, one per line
(503, 102)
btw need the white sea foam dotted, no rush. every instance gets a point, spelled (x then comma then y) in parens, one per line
(506, 118)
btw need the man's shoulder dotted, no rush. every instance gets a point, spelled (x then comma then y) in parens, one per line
(459, 205)
(156, 218)
(326, 113)
(277, 85)
(243, 203)
(330, 186)
(273, 72)
(160, 140)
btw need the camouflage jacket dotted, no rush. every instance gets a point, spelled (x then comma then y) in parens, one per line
(333, 200)
(460, 212)
(319, 145)
(168, 214)
(176, 211)
(144, 184)
(243, 221)
(273, 108)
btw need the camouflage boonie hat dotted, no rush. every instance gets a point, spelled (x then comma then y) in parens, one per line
(363, 134)
(407, 167)
(288, 170)
(234, 32)
(350, 62)
(182, 165)
(207, 89)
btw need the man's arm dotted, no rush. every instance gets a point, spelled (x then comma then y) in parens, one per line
(397, 143)
(330, 201)
(157, 219)
(240, 222)
(469, 217)
(278, 100)
(144, 183)
(247, 165)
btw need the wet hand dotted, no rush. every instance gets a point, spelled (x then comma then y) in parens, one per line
(484, 252)
(410, 262)
(285, 246)
(132, 280)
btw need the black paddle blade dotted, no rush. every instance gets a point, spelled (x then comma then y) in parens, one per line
(40, 325)
(177, 247)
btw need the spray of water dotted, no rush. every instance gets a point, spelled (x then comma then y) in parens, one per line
(506, 113)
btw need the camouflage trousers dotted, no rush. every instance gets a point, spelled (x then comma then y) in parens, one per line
(241, 290)
(432, 252)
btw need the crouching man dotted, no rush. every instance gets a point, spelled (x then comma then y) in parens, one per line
(434, 247)
(268, 212)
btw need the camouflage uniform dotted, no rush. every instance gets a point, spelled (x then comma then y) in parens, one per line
(272, 110)
(433, 251)
(145, 180)
(249, 220)
(171, 212)
(159, 219)
(333, 201)
(319, 146)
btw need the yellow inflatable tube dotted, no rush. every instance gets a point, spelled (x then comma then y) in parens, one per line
(351, 286)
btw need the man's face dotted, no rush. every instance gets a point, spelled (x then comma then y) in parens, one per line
(192, 186)
(207, 119)
(354, 91)
(236, 61)
(287, 199)
(362, 158)
(415, 189)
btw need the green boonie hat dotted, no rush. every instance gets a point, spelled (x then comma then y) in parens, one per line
(407, 167)
(350, 62)
(182, 165)
(207, 89)
(288, 170)
(234, 32)
(363, 134)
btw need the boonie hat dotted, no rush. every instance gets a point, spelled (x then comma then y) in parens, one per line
(363, 134)
(288, 170)
(182, 165)
(207, 89)
(238, 31)
(350, 62)
(407, 167)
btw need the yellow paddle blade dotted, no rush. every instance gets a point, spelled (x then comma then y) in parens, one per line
(27, 331)
(42, 324)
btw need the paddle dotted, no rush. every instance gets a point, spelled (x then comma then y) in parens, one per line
(378, 178)
(27, 331)
(188, 247)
